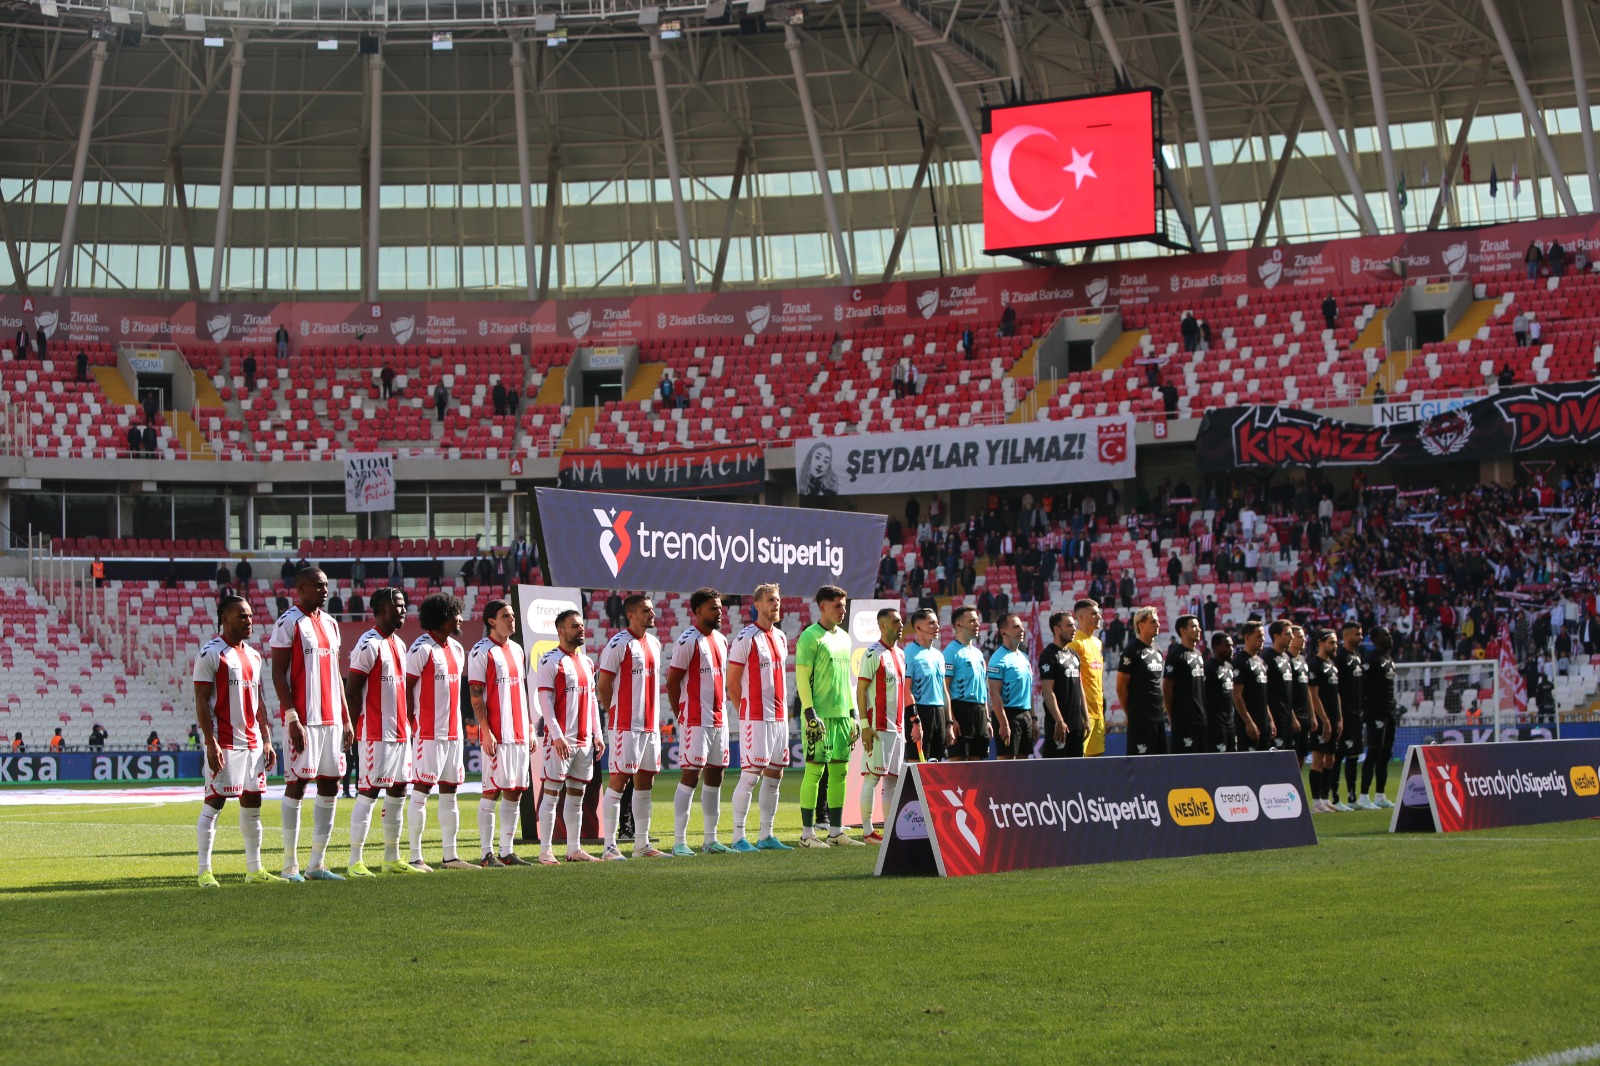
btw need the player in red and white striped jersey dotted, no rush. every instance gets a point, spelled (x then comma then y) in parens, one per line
(755, 677)
(305, 676)
(497, 678)
(629, 685)
(881, 692)
(697, 691)
(564, 692)
(238, 738)
(435, 666)
(376, 686)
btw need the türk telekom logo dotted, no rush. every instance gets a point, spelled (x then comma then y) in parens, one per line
(615, 544)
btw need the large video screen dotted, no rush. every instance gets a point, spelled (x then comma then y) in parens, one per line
(1070, 172)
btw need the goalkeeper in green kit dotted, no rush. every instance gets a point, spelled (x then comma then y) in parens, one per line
(823, 676)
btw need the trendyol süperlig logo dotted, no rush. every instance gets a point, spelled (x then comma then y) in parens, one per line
(968, 816)
(615, 544)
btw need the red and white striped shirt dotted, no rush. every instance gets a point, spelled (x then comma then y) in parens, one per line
(235, 677)
(703, 658)
(885, 671)
(564, 687)
(437, 669)
(383, 711)
(762, 653)
(313, 643)
(498, 668)
(635, 662)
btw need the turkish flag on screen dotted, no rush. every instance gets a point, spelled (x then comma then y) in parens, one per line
(1069, 171)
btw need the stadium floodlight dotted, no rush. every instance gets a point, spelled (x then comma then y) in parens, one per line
(120, 16)
(99, 30)
(49, 9)
(649, 16)
(329, 44)
(795, 16)
(716, 9)
(215, 42)
(671, 29)
(443, 41)
(194, 23)
(545, 22)
(755, 7)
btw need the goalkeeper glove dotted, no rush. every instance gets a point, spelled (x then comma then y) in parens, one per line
(814, 731)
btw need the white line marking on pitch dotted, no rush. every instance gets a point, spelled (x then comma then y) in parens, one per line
(1568, 1057)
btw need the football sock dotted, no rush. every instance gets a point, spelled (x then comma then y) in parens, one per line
(836, 821)
(206, 834)
(547, 820)
(1350, 777)
(810, 786)
(741, 800)
(769, 804)
(250, 826)
(1366, 776)
(417, 820)
(360, 822)
(869, 785)
(449, 823)
(291, 833)
(322, 811)
(711, 809)
(641, 817)
(394, 812)
(610, 809)
(826, 800)
(1381, 773)
(1316, 783)
(486, 825)
(682, 799)
(572, 816)
(509, 809)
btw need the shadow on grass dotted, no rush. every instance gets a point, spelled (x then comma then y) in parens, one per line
(106, 884)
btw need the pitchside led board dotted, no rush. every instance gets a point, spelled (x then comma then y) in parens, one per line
(959, 818)
(1074, 171)
(1449, 788)
(537, 607)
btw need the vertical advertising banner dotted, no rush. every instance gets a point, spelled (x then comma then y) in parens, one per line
(368, 481)
(1450, 788)
(537, 608)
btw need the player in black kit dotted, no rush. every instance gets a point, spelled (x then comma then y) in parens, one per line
(1325, 700)
(1379, 710)
(1347, 660)
(1219, 695)
(1250, 692)
(1066, 724)
(1280, 683)
(1300, 694)
(1183, 688)
(1139, 687)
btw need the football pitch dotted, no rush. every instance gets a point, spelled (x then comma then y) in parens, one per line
(1469, 948)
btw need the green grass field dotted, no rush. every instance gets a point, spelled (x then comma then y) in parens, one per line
(1368, 948)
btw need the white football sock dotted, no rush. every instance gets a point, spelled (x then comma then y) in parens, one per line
(250, 827)
(742, 792)
(360, 823)
(768, 804)
(291, 835)
(572, 817)
(417, 820)
(547, 821)
(869, 785)
(682, 797)
(206, 834)
(610, 811)
(641, 818)
(322, 811)
(711, 809)
(486, 825)
(394, 809)
(449, 823)
(509, 810)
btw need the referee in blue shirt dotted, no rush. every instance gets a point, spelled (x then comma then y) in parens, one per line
(964, 676)
(1011, 691)
(925, 665)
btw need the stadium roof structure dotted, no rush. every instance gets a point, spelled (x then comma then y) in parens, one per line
(715, 118)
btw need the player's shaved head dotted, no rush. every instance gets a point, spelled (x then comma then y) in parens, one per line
(307, 576)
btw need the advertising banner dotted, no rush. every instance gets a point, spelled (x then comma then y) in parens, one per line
(974, 457)
(605, 540)
(1512, 422)
(537, 608)
(1451, 788)
(368, 481)
(959, 818)
(736, 470)
(100, 766)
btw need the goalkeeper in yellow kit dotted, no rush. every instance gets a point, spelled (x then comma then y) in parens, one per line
(828, 708)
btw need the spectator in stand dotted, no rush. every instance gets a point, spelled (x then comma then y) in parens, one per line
(1205, 336)
(59, 742)
(665, 390)
(397, 573)
(1330, 311)
(356, 606)
(153, 741)
(1519, 329)
(1189, 330)
(135, 440)
(170, 578)
(17, 745)
(281, 339)
(244, 572)
(192, 740)
(1208, 614)
(97, 737)
(1507, 377)
(151, 403)
(441, 399)
(22, 343)
(969, 342)
(469, 571)
(1174, 569)
(498, 396)
(1557, 259)
(282, 604)
(336, 607)
(358, 573)
(41, 343)
(1127, 588)
(224, 577)
(986, 606)
(83, 365)
(1535, 331)
(485, 569)
(287, 571)
(249, 369)
(614, 609)
(1252, 559)
(151, 444)
(513, 402)
(386, 378)
(1533, 257)
(1379, 394)
(1169, 399)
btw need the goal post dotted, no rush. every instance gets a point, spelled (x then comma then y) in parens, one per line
(1463, 701)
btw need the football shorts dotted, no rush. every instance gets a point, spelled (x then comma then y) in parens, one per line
(384, 763)
(439, 762)
(838, 740)
(577, 766)
(507, 769)
(1096, 742)
(765, 744)
(705, 745)
(633, 750)
(888, 755)
(323, 755)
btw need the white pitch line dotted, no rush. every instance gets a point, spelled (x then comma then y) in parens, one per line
(148, 796)
(1569, 1057)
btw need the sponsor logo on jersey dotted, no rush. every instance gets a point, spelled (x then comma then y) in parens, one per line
(1191, 806)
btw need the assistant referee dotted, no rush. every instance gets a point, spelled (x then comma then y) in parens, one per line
(964, 671)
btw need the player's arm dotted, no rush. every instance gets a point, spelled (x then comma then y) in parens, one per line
(546, 703)
(480, 714)
(202, 713)
(1251, 730)
(1123, 684)
(733, 685)
(674, 686)
(804, 650)
(1166, 693)
(868, 735)
(1058, 724)
(263, 722)
(997, 711)
(344, 710)
(1323, 728)
(949, 685)
(281, 687)
(355, 687)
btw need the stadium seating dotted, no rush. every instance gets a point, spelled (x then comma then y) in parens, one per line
(72, 419)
